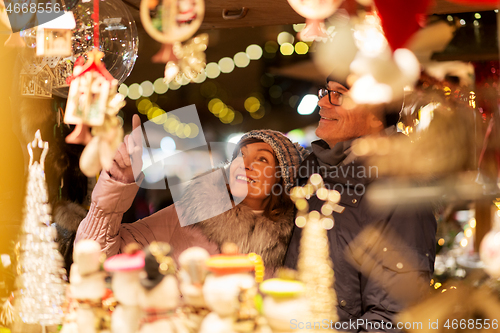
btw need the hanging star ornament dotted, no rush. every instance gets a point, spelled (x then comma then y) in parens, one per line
(191, 59)
(300, 195)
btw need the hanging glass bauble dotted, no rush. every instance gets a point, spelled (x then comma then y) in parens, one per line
(118, 38)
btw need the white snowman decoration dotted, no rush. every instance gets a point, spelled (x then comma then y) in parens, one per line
(490, 253)
(229, 292)
(160, 296)
(283, 303)
(87, 285)
(192, 276)
(126, 287)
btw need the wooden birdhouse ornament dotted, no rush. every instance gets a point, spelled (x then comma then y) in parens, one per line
(36, 80)
(88, 95)
(54, 37)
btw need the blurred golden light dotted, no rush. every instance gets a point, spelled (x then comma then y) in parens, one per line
(174, 85)
(171, 124)
(226, 65)
(218, 108)
(241, 59)
(468, 232)
(179, 131)
(229, 117)
(258, 114)
(238, 118)
(286, 49)
(285, 37)
(200, 78)
(464, 242)
(447, 91)
(271, 47)
(134, 91)
(212, 103)
(299, 27)
(160, 87)
(252, 104)
(300, 221)
(441, 242)
(147, 88)
(187, 130)
(301, 48)
(472, 223)
(437, 285)
(254, 52)
(223, 112)
(159, 116)
(144, 105)
(194, 131)
(123, 89)
(212, 70)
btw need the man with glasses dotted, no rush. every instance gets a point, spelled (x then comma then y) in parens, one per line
(383, 259)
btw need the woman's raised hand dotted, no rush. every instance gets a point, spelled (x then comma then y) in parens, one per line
(127, 163)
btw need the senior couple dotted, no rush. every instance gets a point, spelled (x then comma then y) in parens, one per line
(396, 263)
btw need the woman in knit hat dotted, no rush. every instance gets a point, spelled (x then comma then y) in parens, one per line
(245, 202)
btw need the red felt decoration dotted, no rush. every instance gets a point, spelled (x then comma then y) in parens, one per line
(401, 19)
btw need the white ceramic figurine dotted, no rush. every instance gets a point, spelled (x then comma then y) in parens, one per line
(160, 296)
(126, 268)
(230, 293)
(87, 285)
(192, 275)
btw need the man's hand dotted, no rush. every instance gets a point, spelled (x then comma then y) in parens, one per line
(127, 163)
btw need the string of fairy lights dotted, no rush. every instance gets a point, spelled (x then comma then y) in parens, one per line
(285, 44)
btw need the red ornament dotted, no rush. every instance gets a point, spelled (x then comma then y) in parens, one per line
(401, 19)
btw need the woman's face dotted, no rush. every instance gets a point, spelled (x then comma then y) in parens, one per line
(253, 174)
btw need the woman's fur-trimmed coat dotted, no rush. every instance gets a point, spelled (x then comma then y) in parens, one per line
(208, 194)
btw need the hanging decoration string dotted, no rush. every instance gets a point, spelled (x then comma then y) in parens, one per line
(95, 17)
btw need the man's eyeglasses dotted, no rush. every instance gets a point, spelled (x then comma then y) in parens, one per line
(336, 98)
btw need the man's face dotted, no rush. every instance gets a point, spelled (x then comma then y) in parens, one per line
(339, 124)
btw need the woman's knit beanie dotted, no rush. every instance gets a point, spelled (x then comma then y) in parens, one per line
(290, 155)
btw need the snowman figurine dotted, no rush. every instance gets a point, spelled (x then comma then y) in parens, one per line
(160, 296)
(284, 301)
(126, 268)
(192, 275)
(230, 292)
(88, 285)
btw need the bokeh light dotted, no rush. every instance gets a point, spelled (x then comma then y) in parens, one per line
(174, 85)
(252, 104)
(160, 87)
(123, 89)
(241, 59)
(134, 91)
(299, 27)
(194, 130)
(254, 52)
(144, 105)
(286, 49)
(226, 65)
(167, 144)
(301, 48)
(238, 118)
(200, 78)
(208, 89)
(147, 88)
(258, 114)
(212, 70)
(275, 91)
(285, 37)
(271, 47)
(308, 104)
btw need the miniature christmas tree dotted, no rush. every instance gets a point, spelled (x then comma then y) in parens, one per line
(40, 265)
(314, 264)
